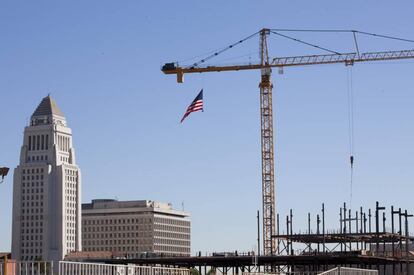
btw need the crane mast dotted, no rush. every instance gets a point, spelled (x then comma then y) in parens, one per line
(266, 119)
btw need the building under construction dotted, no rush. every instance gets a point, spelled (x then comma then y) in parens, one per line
(364, 240)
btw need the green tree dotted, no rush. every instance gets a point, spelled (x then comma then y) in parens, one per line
(212, 271)
(194, 271)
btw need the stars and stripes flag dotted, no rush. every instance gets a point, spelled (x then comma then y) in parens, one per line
(195, 106)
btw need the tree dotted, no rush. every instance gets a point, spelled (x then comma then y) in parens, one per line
(194, 271)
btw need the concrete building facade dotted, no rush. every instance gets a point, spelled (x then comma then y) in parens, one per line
(135, 228)
(46, 189)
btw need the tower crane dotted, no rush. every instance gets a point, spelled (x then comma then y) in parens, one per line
(266, 107)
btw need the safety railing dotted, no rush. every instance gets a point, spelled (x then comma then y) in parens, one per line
(283, 273)
(79, 268)
(76, 268)
(349, 271)
(334, 271)
(26, 268)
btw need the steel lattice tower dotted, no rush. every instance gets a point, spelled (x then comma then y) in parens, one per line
(268, 179)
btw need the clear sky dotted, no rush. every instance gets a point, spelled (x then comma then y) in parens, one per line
(101, 61)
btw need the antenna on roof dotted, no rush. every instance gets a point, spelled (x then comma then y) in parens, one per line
(182, 205)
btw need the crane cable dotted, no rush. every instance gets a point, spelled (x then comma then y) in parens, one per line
(304, 42)
(223, 50)
(350, 127)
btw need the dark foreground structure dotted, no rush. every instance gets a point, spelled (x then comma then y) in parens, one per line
(363, 240)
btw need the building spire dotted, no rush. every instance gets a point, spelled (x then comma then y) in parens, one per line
(47, 107)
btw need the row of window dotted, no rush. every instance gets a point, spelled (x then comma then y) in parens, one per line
(32, 171)
(71, 179)
(70, 184)
(70, 226)
(37, 158)
(117, 235)
(71, 213)
(33, 177)
(170, 228)
(171, 221)
(31, 244)
(117, 221)
(70, 237)
(171, 235)
(171, 242)
(32, 217)
(33, 190)
(102, 242)
(119, 228)
(32, 197)
(32, 237)
(70, 197)
(129, 249)
(32, 225)
(167, 248)
(32, 204)
(33, 183)
(31, 251)
(38, 142)
(64, 159)
(71, 172)
(63, 143)
(32, 210)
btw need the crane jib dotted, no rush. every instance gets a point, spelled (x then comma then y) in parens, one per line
(346, 58)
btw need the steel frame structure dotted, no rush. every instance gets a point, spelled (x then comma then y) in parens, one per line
(360, 233)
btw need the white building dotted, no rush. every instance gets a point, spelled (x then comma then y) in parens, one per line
(135, 228)
(47, 189)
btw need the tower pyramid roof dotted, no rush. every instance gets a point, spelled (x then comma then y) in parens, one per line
(48, 106)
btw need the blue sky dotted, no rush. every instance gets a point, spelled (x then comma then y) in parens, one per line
(101, 61)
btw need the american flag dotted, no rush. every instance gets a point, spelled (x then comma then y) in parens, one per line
(195, 106)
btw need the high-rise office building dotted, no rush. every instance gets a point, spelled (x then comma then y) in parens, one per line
(135, 228)
(46, 189)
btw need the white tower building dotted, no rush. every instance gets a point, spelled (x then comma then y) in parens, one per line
(46, 189)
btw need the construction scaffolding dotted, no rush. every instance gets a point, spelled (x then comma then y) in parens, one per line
(363, 240)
